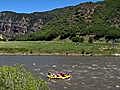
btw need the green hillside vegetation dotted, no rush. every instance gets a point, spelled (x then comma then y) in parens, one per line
(100, 19)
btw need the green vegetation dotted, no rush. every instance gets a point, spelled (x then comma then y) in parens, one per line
(88, 28)
(17, 78)
(60, 47)
(100, 19)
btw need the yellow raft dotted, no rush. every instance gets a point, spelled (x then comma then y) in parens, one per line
(59, 76)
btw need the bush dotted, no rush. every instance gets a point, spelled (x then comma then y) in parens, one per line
(64, 35)
(81, 40)
(90, 40)
(17, 78)
(77, 39)
(82, 51)
(51, 35)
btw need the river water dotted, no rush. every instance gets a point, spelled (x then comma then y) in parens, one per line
(88, 73)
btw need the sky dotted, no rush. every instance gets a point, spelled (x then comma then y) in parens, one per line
(29, 6)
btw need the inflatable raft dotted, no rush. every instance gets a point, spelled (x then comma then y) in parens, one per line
(58, 76)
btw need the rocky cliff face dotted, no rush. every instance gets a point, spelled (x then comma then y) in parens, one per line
(12, 24)
(86, 12)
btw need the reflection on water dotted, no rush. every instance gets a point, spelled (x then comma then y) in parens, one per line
(88, 73)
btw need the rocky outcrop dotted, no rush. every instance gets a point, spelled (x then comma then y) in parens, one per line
(86, 11)
(12, 24)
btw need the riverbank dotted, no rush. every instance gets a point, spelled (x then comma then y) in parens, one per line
(54, 54)
(58, 48)
(18, 78)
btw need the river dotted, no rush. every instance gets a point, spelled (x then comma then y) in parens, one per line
(88, 73)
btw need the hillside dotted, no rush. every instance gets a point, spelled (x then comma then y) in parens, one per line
(101, 19)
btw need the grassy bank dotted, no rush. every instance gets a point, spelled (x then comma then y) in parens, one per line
(57, 47)
(17, 78)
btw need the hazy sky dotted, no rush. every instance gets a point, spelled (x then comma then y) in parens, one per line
(37, 5)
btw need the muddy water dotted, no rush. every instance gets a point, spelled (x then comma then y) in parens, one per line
(88, 73)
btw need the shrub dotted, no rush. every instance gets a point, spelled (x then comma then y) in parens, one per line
(82, 51)
(75, 39)
(90, 40)
(17, 78)
(81, 40)
(64, 35)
